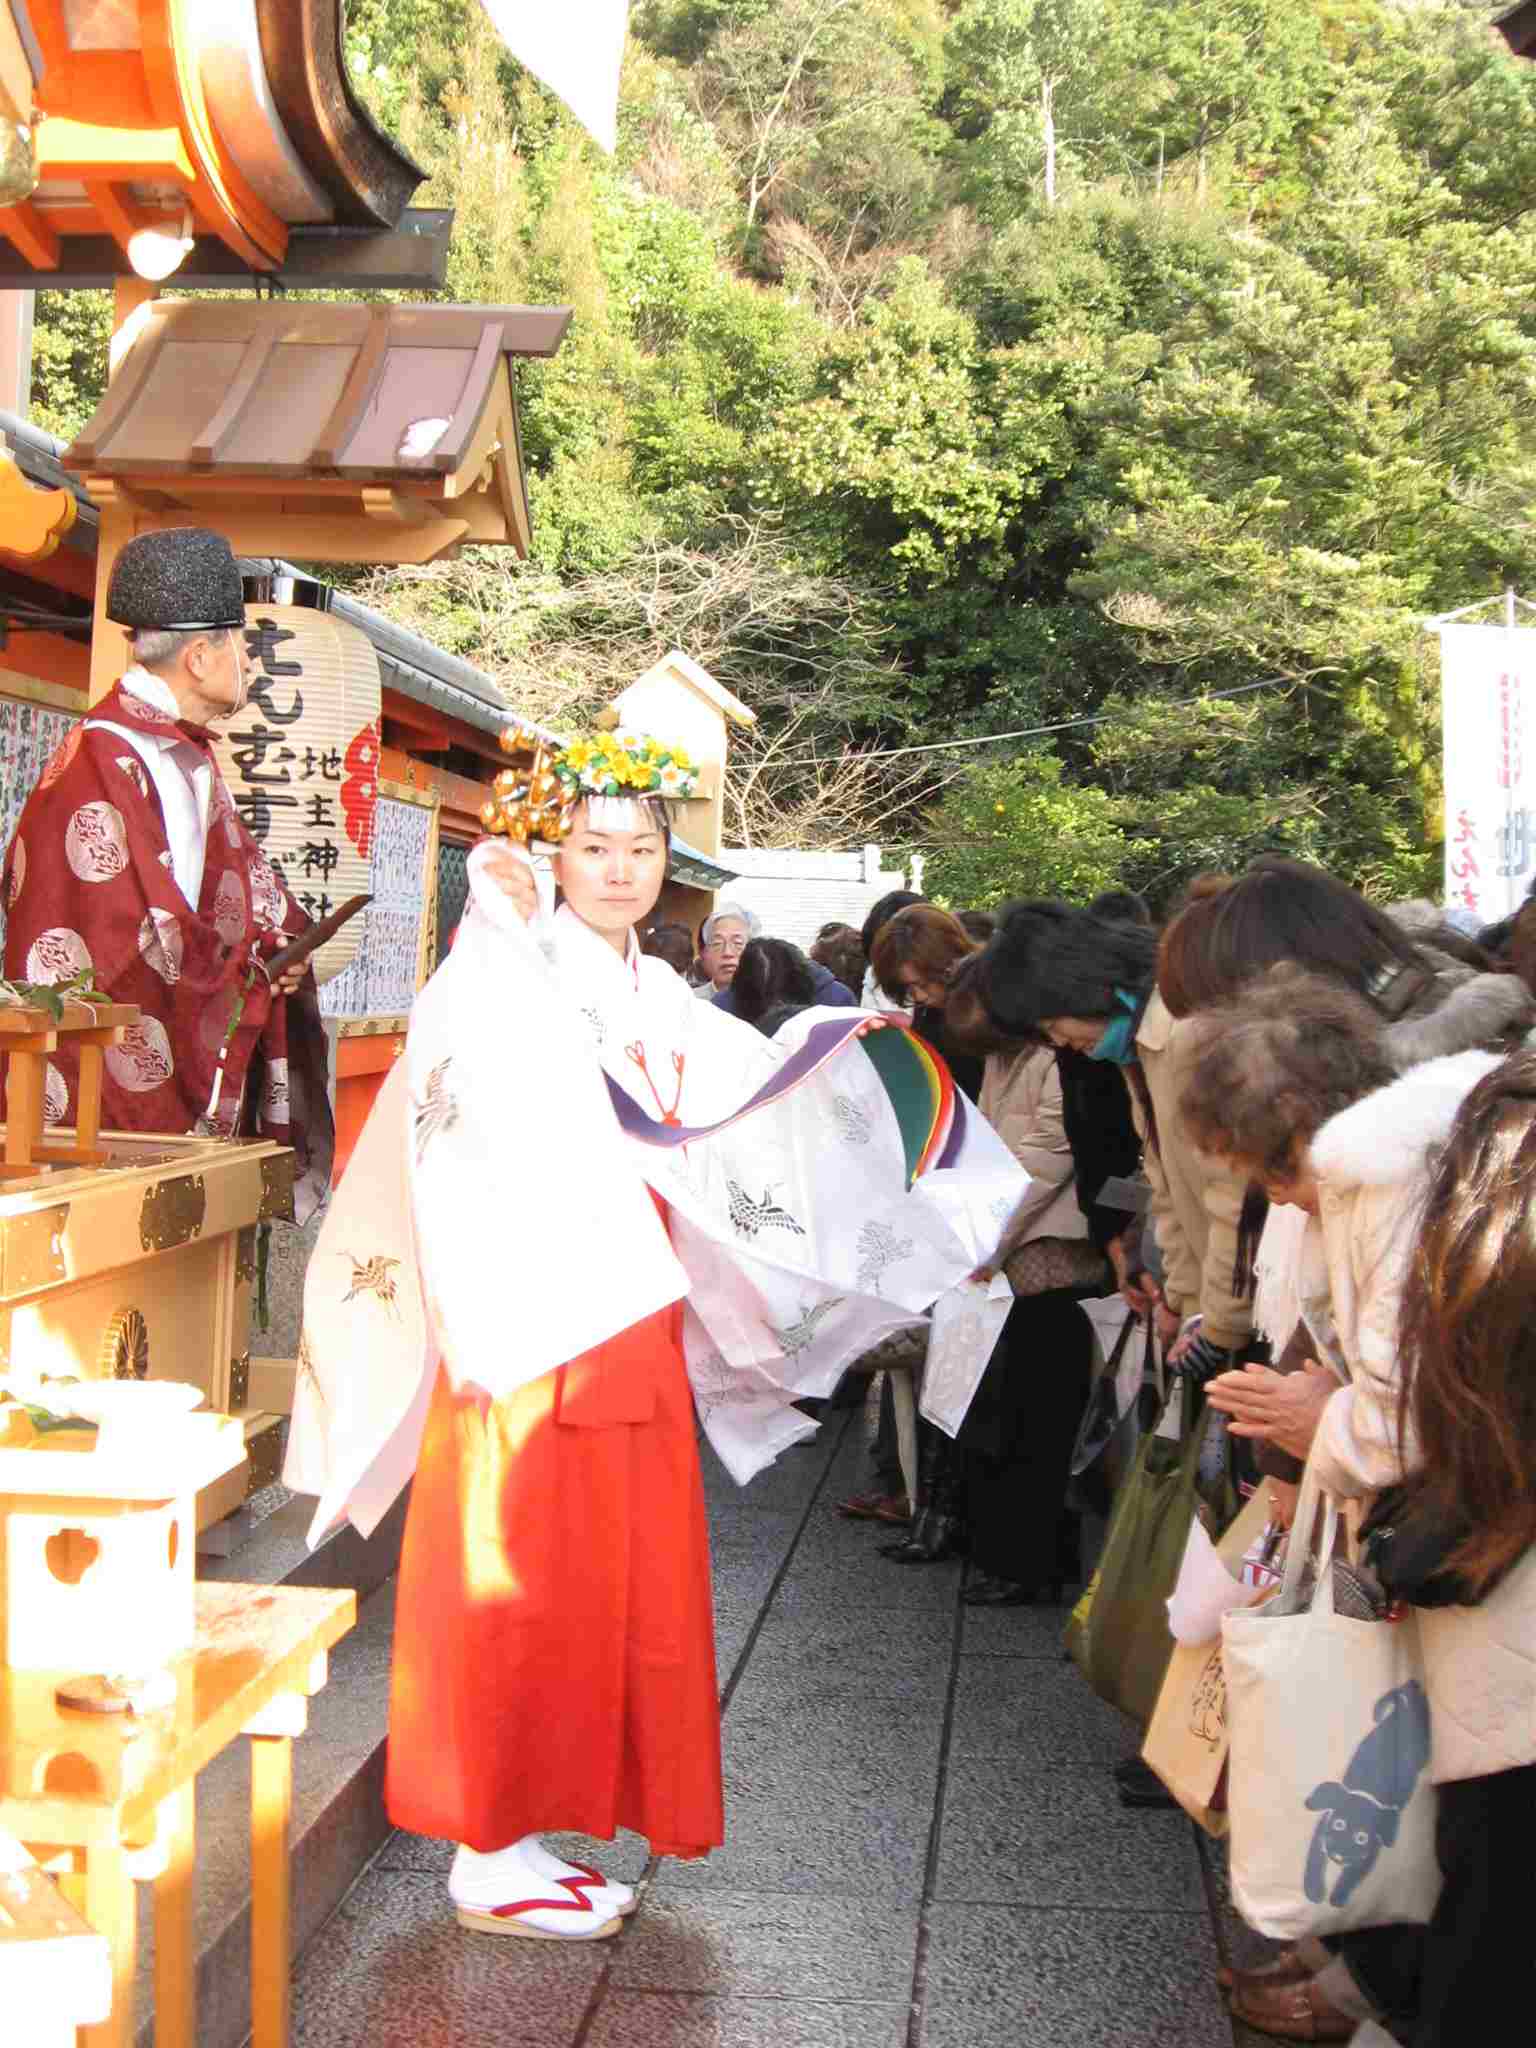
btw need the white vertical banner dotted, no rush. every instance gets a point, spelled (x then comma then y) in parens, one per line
(576, 49)
(1488, 713)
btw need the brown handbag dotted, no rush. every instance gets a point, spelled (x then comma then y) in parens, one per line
(1047, 1264)
(901, 1351)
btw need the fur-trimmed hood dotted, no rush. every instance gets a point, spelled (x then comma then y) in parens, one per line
(1384, 1139)
(1463, 1006)
(1475, 1010)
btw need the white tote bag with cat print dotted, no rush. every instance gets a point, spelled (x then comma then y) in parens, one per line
(1332, 1809)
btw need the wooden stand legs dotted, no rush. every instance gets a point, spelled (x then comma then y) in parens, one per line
(175, 1935)
(271, 1955)
(112, 1909)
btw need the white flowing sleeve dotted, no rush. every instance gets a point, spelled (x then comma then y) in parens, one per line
(536, 1236)
(492, 1218)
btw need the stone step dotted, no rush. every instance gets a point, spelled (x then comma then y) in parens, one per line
(338, 1826)
(275, 1551)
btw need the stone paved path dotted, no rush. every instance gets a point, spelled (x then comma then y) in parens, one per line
(924, 1849)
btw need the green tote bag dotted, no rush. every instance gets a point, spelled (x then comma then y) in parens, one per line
(1118, 1635)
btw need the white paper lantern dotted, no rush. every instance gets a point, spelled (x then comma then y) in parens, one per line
(302, 762)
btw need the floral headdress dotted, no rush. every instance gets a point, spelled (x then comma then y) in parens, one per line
(537, 796)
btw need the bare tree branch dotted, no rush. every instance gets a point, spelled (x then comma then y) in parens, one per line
(809, 653)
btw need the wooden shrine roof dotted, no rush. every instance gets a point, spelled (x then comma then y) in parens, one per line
(252, 388)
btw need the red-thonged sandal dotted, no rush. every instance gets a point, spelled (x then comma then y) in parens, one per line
(527, 1890)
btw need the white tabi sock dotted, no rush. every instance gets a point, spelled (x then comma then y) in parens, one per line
(526, 1869)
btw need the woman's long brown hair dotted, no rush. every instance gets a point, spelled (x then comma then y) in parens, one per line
(1468, 1328)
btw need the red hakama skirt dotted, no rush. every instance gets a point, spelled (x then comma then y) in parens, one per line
(554, 1662)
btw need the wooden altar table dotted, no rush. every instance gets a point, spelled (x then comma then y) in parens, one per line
(110, 1798)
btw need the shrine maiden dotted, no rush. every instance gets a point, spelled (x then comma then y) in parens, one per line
(584, 1203)
(131, 865)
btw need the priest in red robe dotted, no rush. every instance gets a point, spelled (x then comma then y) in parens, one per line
(131, 863)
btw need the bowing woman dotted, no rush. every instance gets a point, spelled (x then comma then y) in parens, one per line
(500, 1288)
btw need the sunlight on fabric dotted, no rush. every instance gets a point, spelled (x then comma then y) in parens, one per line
(490, 1448)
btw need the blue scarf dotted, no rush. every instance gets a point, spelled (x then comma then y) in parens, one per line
(1118, 1044)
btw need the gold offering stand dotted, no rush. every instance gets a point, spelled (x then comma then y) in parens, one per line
(132, 1256)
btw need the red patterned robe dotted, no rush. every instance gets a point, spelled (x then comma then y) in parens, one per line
(89, 884)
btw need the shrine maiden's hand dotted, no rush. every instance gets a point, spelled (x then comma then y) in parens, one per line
(512, 874)
(288, 982)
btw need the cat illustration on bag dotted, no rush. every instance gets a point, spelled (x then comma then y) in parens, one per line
(1360, 1818)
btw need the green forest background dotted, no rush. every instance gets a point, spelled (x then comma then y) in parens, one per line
(942, 371)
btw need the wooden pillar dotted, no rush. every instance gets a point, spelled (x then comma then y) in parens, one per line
(109, 643)
(16, 310)
(271, 1936)
(111, 1907)
(175, 1931)
(129, 297)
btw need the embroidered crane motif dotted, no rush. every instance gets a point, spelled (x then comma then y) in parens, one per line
(852, 1119)
(718, 1385)
(750, 1216)
(438, 1109)
(879, 1247)
(372, 1276)
(799, 1336)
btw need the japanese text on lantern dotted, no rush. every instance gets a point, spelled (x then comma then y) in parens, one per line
(297, 792)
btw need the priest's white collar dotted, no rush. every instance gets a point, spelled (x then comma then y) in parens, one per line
(151, 690)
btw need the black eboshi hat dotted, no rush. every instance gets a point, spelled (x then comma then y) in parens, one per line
(184, 580)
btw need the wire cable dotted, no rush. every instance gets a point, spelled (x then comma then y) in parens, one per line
(1026, 732)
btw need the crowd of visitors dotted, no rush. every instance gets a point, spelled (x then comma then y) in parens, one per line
(1294, 1134)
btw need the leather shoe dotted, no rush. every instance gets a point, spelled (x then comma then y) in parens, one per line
(987, 1591)
(1139, 1786)
(876, 1507)
(908, 1552)
(1297, 2011)
(1285, 1968)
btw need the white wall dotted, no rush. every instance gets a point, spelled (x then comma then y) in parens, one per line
(795, 893)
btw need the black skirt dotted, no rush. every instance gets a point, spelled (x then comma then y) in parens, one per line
(1016, 1441)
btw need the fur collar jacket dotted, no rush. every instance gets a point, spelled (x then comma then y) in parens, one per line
(1372, 1163)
